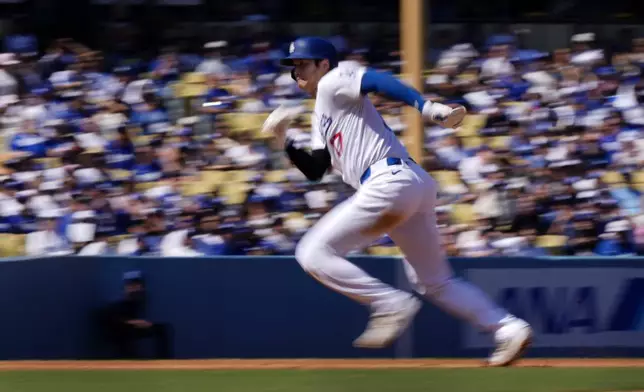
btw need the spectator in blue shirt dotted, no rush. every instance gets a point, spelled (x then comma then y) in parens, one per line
(28, 140)
(615, 240)
(147, 168)
(120, 151)
(150, 115)
(166, 68)
(20, 40)
(217, 100)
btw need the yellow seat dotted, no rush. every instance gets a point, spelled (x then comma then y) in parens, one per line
(551, 241)
(463, 214)
(306, 122)
(309, 104)
(5, 239)
(193, 77)
(552, 244)
(637, 177)
(244, 121)
(240, 175)
(118, 174)
(143, 140)
(259, 135)
(472, 142)
(275, 176)
(384, 251)
(499, 142)
(190, 90)
(512, 103)
(14, 245)
(447, 177)
(145, 186)
(613, 178)
(193, 188)
(471, 125)
(213, 177)
(294, 215)
(50, 162)
(5, 156)
(235, 193)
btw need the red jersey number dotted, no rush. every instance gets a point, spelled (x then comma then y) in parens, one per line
(336, 143)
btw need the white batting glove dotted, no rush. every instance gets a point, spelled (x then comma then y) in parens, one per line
(445, 116)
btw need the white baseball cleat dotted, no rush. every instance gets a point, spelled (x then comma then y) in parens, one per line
(383, 329)
(512, 339)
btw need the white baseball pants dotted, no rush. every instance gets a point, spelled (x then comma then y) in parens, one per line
(399, 201)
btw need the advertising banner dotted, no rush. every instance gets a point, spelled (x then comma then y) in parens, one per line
(568, 307)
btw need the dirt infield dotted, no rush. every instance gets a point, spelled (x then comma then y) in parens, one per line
(253, 364)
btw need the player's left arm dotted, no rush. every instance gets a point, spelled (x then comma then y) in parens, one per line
(383, 83)
(351, 84)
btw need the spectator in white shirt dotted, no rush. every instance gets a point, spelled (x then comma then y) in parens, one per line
(497, 64)
(450, 151)
(175, 238)
(213, 64)
(254, 104)
(472, 168)
(630, 154)
(187, 248)
(82, 230)
(8, 84)
(90, 137)
(46, 242)
(95, 248)
(488, 204)
(583, 53)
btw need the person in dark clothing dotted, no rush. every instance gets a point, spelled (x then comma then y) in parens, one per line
(125, 323)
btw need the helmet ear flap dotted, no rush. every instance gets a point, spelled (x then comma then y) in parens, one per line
(293, 74)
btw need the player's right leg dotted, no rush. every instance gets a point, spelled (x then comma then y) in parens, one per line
(349, 226)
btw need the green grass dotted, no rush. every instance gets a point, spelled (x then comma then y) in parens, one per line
(413, 380)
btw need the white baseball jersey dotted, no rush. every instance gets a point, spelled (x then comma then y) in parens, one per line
(347, 123)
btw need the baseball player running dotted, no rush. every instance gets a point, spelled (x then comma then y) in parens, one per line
(394, 196)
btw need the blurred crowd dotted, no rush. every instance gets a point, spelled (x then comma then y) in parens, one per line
(164, 157)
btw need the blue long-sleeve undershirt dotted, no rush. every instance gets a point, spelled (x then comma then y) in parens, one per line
(391, 87)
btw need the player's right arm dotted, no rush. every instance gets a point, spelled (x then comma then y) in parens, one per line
(313, 165)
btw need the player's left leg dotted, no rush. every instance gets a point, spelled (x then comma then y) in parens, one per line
(432, 277)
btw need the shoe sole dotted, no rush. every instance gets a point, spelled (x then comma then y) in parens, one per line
(526, 342)
(415, 308)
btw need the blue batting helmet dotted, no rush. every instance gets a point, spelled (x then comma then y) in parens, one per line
(311, 48)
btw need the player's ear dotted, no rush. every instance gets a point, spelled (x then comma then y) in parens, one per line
(325, 65)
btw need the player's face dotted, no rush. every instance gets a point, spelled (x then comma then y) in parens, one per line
(308, 74)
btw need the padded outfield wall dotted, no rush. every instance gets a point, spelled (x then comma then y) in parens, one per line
(267, 307)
